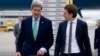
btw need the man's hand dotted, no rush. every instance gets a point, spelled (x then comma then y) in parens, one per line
(40, 53)
(18, 54)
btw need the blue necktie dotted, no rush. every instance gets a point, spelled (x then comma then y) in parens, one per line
(35, 29)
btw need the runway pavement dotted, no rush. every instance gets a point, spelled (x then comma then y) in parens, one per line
(7, 43)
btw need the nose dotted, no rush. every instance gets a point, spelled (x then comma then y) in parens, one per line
(37, 12)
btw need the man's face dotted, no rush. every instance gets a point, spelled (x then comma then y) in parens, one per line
(36, 12)
(66, 15)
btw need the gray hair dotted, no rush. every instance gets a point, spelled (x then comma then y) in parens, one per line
(36, 3)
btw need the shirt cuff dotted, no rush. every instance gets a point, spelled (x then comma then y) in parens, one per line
(43, 49)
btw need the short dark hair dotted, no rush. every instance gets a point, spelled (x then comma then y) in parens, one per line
(71, 9)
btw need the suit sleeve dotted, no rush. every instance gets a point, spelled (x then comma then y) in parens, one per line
(86, 41)
(49, 36)
(21, 37)
(96, 39)
(58, 42)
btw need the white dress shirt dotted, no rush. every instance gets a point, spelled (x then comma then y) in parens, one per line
(42, 48)
(74, 44)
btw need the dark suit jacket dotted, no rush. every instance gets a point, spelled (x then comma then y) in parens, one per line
(97, 39)
(81, 37)
(16, 31)
(26, 43)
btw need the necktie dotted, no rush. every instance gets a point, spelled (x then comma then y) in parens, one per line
(35, 29)
(70, 38)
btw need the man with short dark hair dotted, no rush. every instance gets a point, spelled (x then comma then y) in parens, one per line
(72, 37)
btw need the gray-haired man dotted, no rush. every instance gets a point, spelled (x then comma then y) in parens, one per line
(36, 36)
(17, 27)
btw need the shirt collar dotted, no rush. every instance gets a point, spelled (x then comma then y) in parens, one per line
(37, 19)
(74, 21)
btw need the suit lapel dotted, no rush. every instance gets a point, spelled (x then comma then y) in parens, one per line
(64, 29)
(18, 27)
(40, 28)
(78, 29)
(30, 27)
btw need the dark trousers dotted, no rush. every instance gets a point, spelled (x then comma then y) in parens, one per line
(98, 51)
(36, 55)
(73, 54)
(29, 55)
